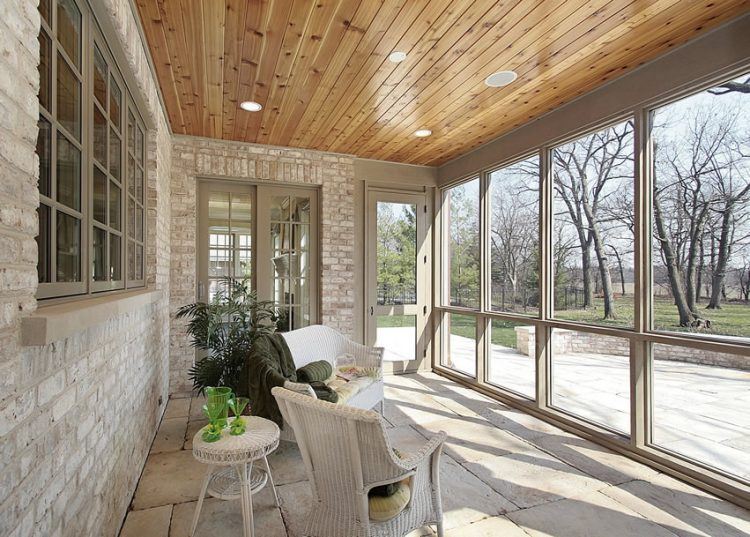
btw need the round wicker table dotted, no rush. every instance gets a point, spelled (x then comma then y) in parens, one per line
(230, 474)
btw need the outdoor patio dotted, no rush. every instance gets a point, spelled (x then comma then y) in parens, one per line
(700, 411)
(503, 473)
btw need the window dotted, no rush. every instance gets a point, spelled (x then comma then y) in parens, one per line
(461, 343)
(512, 359)
(701, 213)
(462, 259)
(700, 253)
(591, 377)
(584, 284)
(83, 174)
(593, 217)
(514, 237)
(704, 421)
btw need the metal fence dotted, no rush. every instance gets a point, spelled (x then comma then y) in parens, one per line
(504, 298)
(397, 294)
(569, 298)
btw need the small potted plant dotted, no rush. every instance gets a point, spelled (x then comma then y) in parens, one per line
(226, 328)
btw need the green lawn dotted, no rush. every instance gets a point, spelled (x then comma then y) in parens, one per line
(398, 321)
(732, 320)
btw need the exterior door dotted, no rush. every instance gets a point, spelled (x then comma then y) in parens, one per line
(397, 264)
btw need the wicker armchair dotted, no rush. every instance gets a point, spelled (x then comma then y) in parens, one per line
(346, 453)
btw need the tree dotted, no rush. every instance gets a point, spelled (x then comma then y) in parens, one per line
(586, 174)
(743, 279)
(702, 193)
(732, 86)
(396, 251)
(514, 230)
(464, 244)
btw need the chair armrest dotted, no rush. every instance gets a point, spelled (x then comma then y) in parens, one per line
(433, 445)
(365, 356)
(299, 387)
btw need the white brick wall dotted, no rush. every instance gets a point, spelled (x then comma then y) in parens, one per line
(77, 416)
(197, 157)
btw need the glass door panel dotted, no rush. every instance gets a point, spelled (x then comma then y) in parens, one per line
(287, 217)
(225, 234)
(396, 275)
(281, 265)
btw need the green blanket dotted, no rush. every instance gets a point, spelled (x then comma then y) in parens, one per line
(269, 365)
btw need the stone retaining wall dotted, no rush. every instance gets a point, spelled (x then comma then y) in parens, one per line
(571, 341)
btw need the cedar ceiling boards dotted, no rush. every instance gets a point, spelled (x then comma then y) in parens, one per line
(321, 70)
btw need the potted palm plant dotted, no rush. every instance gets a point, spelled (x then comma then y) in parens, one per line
(226, 328)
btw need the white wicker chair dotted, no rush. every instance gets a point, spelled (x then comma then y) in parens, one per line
(346, 453)
(319, 342)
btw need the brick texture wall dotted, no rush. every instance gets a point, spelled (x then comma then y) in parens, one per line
(193, 158)
(77, 416)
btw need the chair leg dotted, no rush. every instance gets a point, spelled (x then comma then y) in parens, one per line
(440, 529)
(382, 407)
(199, 506)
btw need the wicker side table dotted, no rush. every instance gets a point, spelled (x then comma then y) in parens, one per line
(230, 473)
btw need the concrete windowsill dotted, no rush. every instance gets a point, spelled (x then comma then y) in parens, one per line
(59, 321)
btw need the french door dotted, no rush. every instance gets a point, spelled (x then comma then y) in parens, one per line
(267, 234)
(397, 269)
(288, 253)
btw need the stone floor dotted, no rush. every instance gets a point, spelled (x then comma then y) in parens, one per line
(503, 473)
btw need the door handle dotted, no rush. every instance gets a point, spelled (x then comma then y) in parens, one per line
(372, 310)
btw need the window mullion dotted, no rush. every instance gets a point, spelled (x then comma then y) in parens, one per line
(543, 332)
(640, 363)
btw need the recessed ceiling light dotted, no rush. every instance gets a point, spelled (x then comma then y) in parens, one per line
(422, 133)
(500, 79)
(251, 106)
(397, 56)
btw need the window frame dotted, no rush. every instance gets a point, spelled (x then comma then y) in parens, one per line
(641, 335)
(92, 36)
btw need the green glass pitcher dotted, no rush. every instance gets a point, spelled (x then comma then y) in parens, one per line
(220, 395)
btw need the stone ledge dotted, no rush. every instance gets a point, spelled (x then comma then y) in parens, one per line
(59, 321)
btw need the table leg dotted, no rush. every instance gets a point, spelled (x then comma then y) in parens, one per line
(273, 485)
(198, 507)
(247, 498)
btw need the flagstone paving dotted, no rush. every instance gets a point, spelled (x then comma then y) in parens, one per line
(504, 473)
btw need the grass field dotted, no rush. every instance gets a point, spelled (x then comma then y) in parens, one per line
(732, 320)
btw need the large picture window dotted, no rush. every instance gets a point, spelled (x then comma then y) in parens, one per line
(605, 281)
(90, 169)
(514, 237)
(701, 212)
(592, 178)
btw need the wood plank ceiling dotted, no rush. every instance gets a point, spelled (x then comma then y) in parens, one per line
(320, 68)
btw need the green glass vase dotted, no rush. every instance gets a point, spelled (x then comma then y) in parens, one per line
(220, 395)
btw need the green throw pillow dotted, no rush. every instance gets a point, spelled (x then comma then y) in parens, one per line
(314, 372)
